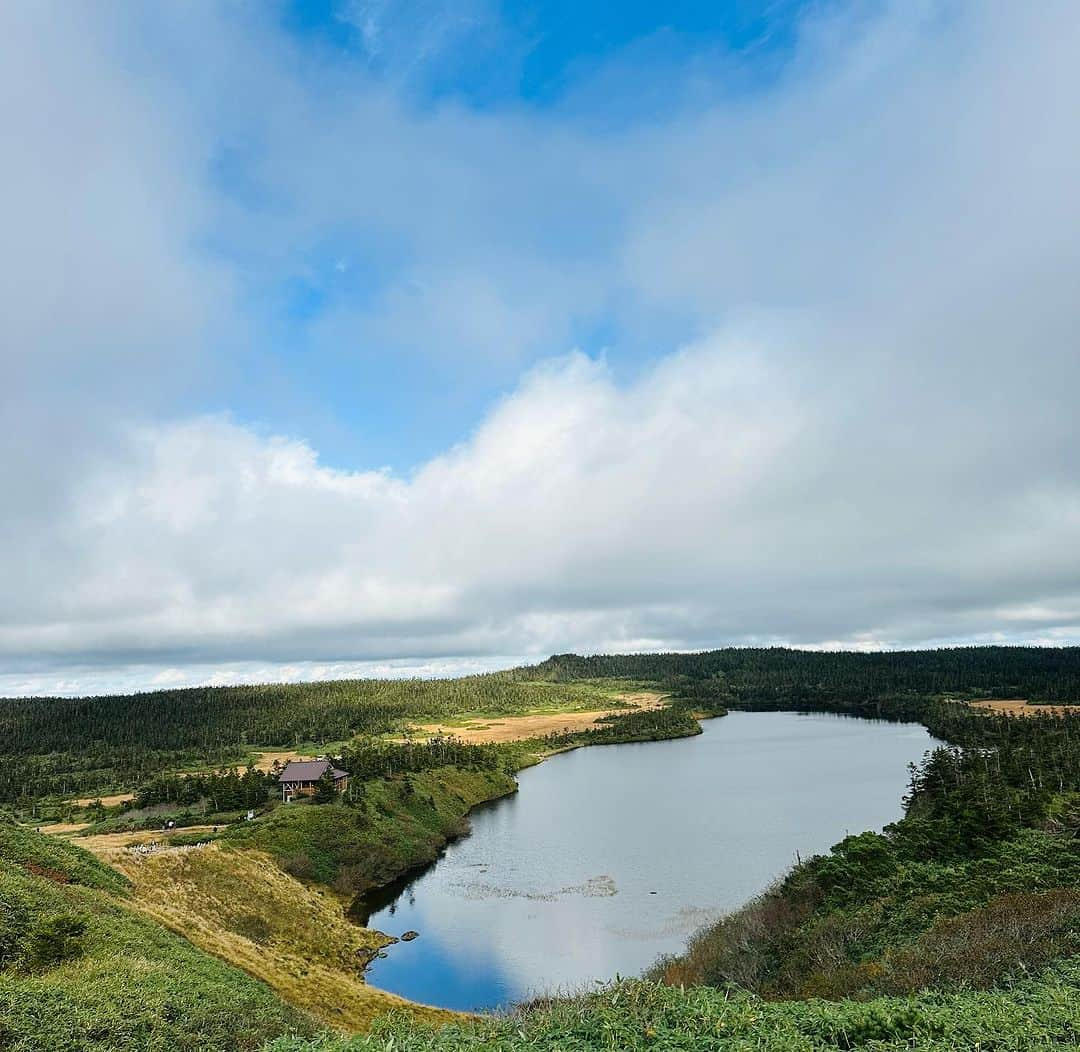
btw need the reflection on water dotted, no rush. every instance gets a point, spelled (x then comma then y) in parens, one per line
(611, 856)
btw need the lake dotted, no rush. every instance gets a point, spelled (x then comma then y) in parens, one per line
(609, 856)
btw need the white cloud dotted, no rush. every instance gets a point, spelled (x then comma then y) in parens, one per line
(872, 442)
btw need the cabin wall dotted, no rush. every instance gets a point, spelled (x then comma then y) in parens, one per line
(291, 790)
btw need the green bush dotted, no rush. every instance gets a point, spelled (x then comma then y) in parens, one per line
(1037, 1015)
(55, 939)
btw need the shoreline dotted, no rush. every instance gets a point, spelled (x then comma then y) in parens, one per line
(416, 869)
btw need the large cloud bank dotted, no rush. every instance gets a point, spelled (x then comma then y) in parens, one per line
(868, 438)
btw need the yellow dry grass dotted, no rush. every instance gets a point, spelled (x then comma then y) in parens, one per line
(517, 728)
(112, 847)
(240, 907)
(1020, 707)
(108, 801)
(265, 760)
(62, 828)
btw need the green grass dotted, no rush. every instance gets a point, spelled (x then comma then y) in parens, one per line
(115, 982)
(1038, 1014)
(397, 823)
(55, 859)
(240, 907)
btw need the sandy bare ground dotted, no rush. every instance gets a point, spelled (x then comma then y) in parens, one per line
(1020, 707)
(515, 728)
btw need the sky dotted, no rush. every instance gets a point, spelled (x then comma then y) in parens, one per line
(348, 337)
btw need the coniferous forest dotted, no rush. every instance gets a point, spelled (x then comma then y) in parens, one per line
(66, 746)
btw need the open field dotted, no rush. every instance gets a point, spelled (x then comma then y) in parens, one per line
(112, 848)
(65, 828)
(479, 730)
(108, 801)
(264, 761)
(1021, 707)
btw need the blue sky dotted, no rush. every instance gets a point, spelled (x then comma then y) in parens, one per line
(600, 67)
(372, 336)
(491, 54)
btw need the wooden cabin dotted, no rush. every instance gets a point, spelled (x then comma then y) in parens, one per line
(298, 778)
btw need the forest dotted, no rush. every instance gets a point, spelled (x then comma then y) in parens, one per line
(82, 746)
(786, 675)
(67, 746)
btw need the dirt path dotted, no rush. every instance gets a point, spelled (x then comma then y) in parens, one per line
(1020, 707)
(515, 728)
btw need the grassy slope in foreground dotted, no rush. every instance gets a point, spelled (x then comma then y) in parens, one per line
(80, 972)
(241, 907)
(241, 900)
(1039, 1014)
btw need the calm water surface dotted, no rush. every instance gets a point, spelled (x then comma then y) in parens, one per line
(613, 855)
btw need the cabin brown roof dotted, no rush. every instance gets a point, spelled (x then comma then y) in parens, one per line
(308, 771)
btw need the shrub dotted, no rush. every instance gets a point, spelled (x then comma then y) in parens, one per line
(1014, 933)
(15, 917)
(299, 866)
(854, 1025)
(55, 939)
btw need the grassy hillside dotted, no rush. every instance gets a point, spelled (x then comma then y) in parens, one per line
(54, 859)
(871, 919)
(392, 825)
(241, 907)
(1035, 1015)
(81, 972)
